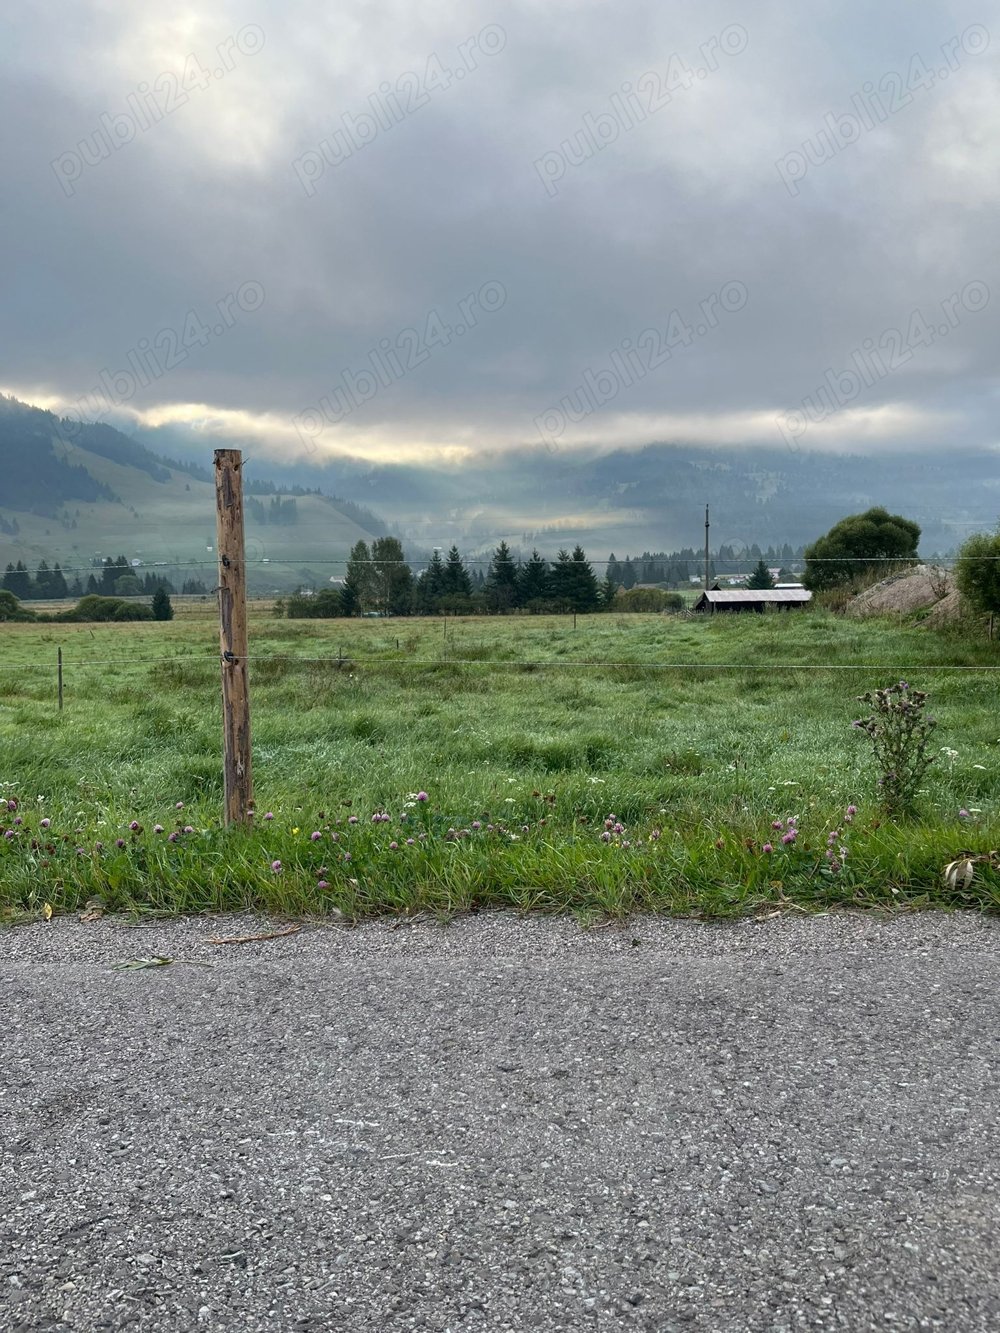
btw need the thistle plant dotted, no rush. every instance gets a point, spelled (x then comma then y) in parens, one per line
(900, 733)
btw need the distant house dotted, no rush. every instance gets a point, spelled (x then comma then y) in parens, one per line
(751, 599)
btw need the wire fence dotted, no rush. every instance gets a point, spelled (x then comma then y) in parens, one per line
(63, 664)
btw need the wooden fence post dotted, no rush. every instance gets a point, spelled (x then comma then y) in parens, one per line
(59, 665)
(237, 770)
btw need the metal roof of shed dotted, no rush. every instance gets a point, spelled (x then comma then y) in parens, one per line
(757, 595)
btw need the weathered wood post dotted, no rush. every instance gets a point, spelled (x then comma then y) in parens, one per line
(237, 771)
(59, 669)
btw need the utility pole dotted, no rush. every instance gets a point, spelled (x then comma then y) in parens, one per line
(708, 580)
(237, 772)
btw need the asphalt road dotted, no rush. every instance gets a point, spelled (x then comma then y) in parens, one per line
(502, 1125)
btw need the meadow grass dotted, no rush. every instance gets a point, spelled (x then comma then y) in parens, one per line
(635, 763)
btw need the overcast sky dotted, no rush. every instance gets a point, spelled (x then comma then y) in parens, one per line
(404, 231)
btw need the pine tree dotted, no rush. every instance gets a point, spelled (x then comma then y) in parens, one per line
(761, 576)
(533, 582)
(456, 576)
(162, 609)
(562, 582)
(430, 585)
(613, 570)
(628, 574)
(57, 582)
(43, 581)
(17, 580)
(608, 591)
(501, 584)
(585, 592)
(111, 572)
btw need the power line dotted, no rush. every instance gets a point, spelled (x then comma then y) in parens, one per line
(280, 560)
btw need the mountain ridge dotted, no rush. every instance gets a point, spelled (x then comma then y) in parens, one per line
(76, 493)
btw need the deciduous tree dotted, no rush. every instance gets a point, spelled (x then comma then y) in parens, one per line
(859, 546)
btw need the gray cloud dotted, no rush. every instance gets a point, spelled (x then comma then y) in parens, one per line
(431, 187)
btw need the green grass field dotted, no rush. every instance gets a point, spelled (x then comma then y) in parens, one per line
(692, 737)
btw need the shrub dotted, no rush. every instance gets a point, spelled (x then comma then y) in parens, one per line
(94, 607)
(977, 572)
(132, 611)
(649, 599)
(324, 605)
(11, 608)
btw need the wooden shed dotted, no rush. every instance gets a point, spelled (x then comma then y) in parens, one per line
(752, 599)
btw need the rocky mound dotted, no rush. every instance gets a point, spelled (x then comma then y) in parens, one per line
(926, 587)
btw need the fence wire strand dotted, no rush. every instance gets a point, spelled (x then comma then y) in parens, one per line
(351, 659)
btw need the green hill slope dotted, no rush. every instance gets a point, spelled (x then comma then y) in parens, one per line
(77, 494)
